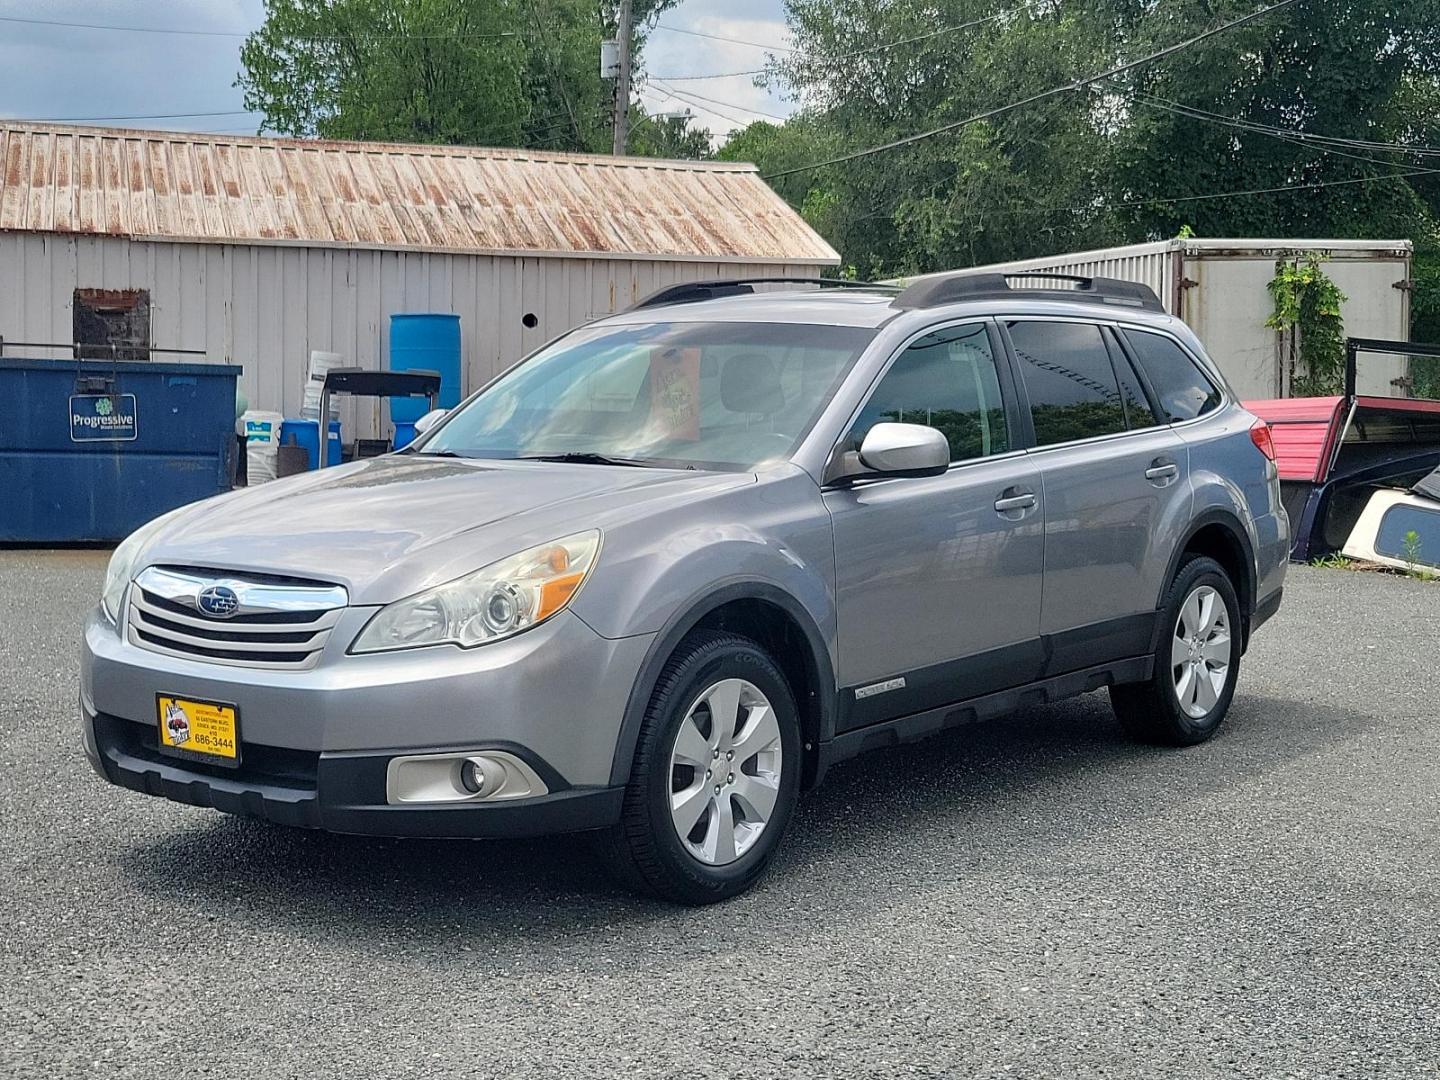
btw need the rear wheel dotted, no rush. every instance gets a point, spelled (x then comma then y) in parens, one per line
(1196, 662)
(716, 774)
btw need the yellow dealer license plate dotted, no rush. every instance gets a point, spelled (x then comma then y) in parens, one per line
(201, 730)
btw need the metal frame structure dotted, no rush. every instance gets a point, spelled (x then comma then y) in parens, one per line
(362, 382)
(1354, 346)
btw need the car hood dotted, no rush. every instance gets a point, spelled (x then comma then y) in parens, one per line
(390, 526)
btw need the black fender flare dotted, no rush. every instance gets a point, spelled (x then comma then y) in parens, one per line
(686, 618)
(1232, 524)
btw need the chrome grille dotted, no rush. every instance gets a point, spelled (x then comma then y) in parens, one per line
(275, 623)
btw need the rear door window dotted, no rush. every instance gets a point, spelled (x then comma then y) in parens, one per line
(1184, 391)
(1074, 393)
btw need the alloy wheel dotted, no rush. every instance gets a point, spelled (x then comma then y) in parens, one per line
(725, 771)
(1200, 652)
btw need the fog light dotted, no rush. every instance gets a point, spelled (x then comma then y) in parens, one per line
(459, 777)
(479, 775)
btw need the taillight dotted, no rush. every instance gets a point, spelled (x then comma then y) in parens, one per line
(1263, 440)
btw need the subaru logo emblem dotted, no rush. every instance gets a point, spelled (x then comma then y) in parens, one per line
(218, 601)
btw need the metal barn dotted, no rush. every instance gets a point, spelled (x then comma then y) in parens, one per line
(255, 251)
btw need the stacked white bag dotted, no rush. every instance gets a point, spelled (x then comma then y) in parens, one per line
(262, 444)
(320, 365)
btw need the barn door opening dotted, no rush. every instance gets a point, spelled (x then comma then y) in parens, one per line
(112, 323)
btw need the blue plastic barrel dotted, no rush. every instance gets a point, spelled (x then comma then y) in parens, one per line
(428, 342)
(404, 434)
(306, 433)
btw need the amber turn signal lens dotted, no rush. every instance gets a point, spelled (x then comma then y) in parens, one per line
(556, 593)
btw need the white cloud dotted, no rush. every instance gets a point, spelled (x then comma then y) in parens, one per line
(722, 105)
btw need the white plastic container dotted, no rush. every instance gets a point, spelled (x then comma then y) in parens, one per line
(262, 444)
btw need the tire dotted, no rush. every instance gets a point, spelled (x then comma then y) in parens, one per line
(647, 850)
(1153, 711)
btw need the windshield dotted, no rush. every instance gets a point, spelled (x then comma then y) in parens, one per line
(684, 394)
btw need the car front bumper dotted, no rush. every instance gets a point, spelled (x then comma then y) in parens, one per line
(316, 745)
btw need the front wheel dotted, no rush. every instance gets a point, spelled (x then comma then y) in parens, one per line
(1196, 663)
(716, 774)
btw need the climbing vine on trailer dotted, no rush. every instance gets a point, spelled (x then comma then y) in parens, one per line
(1312, 333)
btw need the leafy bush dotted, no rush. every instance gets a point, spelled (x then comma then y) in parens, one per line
(1307, 314)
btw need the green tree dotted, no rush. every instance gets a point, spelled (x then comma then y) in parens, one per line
(1336, 68)
(667, 136)
(970, 195)
(486, 72)
(1130, 160)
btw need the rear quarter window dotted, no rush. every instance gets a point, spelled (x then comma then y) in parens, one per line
(1183, 390)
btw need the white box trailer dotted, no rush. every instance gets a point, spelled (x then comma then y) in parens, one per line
(1219, 287)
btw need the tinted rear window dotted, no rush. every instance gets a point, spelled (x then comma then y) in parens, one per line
(1185, 391)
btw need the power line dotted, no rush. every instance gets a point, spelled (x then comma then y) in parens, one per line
(858, 52)
(690, 94)
(712, 108)
(1311, 186)
(1320, 142)
(716, 75)
(122, 29)
(1078, 84)
(194, 32)
(1285, 135)
(721, 37)
(135, 116)
(924, 37)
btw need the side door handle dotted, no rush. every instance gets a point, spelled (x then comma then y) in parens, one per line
(1014, 499)
(1162, 469)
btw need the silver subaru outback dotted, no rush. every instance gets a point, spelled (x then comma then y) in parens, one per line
(654, 580)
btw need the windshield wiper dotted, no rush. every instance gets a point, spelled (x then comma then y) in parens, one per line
(437, 453)
(580, 457)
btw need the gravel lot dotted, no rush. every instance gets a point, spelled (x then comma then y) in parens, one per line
(1031, 898)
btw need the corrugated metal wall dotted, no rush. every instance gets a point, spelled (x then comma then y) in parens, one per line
(1228, 306)
(1150, 264)
(1226, 301)
(265, 307)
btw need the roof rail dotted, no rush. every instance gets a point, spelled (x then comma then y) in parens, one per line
(990, 285)
(690, 292)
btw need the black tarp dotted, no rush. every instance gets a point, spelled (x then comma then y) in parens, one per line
(1429, 486)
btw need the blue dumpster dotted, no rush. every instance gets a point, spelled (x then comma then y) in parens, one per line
(427, 342)
(91, 450)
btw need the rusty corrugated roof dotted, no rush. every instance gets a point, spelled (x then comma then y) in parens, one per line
(161, 185)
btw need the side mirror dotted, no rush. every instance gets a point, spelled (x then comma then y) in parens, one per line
(905, 450)
(429, 420)
(894, 450)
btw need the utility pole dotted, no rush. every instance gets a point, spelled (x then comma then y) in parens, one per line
(622, 80)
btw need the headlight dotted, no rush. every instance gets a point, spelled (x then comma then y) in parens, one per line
(495, 602)
(122, 564)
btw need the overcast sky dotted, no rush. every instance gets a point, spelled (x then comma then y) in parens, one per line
(108, 76)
